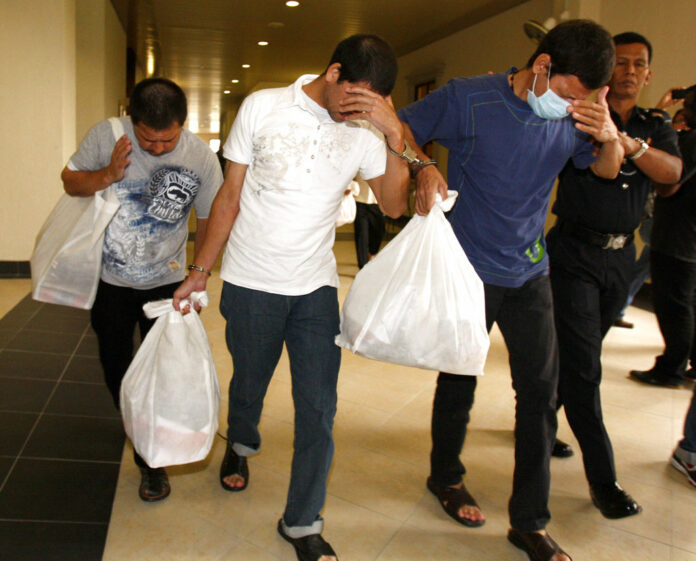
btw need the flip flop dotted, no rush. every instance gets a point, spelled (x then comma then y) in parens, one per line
(538, 547)
(452, 499)
(233, 464)
(308, 548)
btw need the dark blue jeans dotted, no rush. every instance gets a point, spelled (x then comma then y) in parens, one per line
(258, 323)
(525, 318)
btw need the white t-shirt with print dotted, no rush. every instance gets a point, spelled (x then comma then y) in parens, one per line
(300, 162)
(145, 243)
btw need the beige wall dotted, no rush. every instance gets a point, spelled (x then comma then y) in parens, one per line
(37, 103)
(100, 63)
(61, 55)
(670, 29)
(41, 83)
(498, 43)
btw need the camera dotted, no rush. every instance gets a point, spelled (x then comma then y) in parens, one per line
(681, 94)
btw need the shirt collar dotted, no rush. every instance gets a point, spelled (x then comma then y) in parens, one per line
(295, 96)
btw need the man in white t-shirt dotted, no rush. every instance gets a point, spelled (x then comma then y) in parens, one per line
(291, 154)
(159, 171)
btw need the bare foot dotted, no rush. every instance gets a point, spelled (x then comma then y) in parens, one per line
(470, 512)
(234, 480)
(559, 556)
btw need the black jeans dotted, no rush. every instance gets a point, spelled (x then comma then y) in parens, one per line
(114, 315)
(590, 286)
(674, 286)
(525, 318)
(369, 231)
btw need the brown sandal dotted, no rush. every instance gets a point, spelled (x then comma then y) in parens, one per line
(539, 547)
(452, 499)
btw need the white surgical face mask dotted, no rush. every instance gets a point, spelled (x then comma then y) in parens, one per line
(549, 105)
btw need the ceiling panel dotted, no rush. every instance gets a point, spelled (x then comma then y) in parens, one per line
(202, 45)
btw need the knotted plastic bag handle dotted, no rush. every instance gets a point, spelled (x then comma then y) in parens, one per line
(448, 203)
(160, 307)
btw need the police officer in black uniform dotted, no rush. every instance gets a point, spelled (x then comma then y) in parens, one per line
(592, 253)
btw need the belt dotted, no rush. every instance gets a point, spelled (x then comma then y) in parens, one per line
(605, 241)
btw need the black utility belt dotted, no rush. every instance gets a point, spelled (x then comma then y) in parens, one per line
(605, 241)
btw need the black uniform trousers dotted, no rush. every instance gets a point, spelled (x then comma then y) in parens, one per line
(525, 318)
(674, 297)
(590, 286)
(369, 231)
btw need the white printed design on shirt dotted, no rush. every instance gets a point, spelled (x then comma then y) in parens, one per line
(275, 156)
(146, 235)
(172, 191)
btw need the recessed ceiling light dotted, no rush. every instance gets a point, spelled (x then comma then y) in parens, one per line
(292, 3)
(262, 43)
(235, 81)
(246, 65)
(276, 24)
(226, 91)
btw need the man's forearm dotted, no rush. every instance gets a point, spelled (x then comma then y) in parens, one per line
(608, 162)
(85, 183)
(657, 164)
(395, 185)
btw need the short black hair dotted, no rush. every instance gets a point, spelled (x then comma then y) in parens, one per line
(366, 58)
(158, 103)
(630, 37)
(581, 48)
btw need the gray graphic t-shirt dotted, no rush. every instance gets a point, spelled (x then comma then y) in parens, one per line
(145, 243)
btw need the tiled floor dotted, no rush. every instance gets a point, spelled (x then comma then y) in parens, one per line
(378, 508)
(60, 437)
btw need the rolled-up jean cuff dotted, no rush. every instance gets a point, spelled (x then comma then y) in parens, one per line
(242, 450)
(302, 531)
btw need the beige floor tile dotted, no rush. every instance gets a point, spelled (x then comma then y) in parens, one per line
(683, 506)
(11, 292)
(378, 507)
(681, 555)
(245, 551)
(377, 482)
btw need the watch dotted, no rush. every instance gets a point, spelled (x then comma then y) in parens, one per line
(643, 148)
(415, 164)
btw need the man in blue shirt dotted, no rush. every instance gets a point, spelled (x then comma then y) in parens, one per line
(508, 137)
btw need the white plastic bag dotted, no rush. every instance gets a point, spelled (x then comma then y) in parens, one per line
(419, 302)
(67, 258)
(348, 208)
(170, 397)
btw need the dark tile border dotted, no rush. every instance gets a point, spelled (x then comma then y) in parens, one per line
(15, 270)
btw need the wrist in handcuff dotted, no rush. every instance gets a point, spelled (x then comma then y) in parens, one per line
(409, 155)
(199, 269)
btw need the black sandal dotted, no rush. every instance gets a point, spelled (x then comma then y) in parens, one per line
(308, 548)
(233, 464)
(452, 499)
(538, 547)
(154, 484)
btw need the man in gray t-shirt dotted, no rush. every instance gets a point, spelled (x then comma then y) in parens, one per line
(158, 171)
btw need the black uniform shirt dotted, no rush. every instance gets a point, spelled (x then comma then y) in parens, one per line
(614, 206)
(674, 228)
